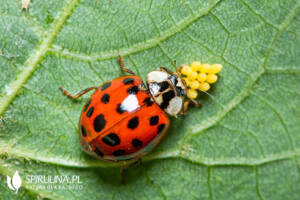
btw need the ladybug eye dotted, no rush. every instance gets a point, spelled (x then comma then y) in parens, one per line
(174, 79)
(183, 93)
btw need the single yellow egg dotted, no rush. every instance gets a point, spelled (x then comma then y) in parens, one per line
(186, 70)
(193, 75)
(204, 68)
(194, 84)
(204, 86)
(211, 78)
(192, 94)
(188, 83)
(201, 77)
(215, 68)
(195, 66)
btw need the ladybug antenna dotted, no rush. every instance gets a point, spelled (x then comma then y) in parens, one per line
(175, 66)
(179, 74)
(176, 69)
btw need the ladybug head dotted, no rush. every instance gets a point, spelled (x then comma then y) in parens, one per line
(167, 89)
(178, 84)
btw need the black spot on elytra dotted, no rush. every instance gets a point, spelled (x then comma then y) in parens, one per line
(136, 143)
(163, 86)
(167, 98)
(119, 152)
(133, 90)
(111, 139)
(153, 120)
(87, 105)
(90, 112)
(160, 128)
(128, 81)
(99, 123)
(133, 123)
(119, 109)
(83, 131)
(105, 98)
(148, 101)
(98, 152)
(105, 86)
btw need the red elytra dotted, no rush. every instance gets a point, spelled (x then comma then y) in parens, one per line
(109, 131)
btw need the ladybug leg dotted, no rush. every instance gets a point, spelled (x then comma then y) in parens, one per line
(143, 88)
(122, 174)
(123, 167)
(76, 96)
(166, 70)
(123, 68)
(169, 71)
(186, 105)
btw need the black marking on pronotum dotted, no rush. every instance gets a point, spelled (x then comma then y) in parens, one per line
(87, 105)
(160, 128)
(105, 86)
(153, 120)
(119, 109)
(174, 79)
(133, 122)
(90, 112)
(167, 96)
(99, 123)
(136, 143)
(83, 131)
(128, 81)
(133, 90)
(105, 98)
(179, 90)
(111, 139)
(148, 101)
(163, 86)
(119, 152)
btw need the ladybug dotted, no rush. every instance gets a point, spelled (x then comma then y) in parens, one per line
(124, 119)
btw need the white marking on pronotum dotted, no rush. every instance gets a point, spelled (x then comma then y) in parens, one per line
(154, 88)
(175, 106)
(157, 76)
(130, 103)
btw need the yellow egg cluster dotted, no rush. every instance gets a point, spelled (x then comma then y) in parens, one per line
(199, 76)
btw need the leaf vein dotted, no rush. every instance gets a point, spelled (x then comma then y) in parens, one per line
(209, 183)
(32, 63)
(148, 44)
(257, 184)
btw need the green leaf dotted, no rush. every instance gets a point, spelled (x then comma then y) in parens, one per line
(243, 143)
